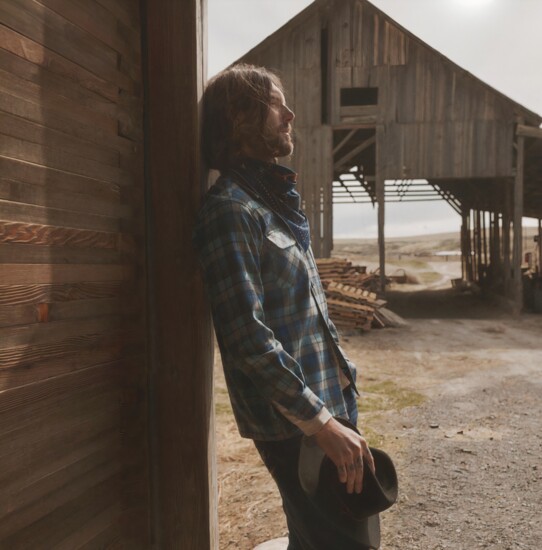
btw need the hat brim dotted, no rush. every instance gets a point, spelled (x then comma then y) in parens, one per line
(319, 479)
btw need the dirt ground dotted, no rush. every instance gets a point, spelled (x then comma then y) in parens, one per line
(455, 399)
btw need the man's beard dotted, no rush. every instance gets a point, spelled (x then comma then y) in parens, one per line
(278, 144)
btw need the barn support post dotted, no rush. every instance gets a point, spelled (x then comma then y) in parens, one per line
(380, 192)
(497, 246)
(180, 381)
(466, 274)
(478, 236)
(484, 241)
(380, 183)
(517, 284)
(506, 240)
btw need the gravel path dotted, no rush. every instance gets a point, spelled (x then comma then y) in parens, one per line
(457, 402)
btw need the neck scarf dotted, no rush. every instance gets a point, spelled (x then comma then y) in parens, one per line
(276, 185)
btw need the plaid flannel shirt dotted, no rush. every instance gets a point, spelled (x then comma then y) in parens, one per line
(282, 371)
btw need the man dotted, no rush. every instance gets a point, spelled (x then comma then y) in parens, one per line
(286, 374)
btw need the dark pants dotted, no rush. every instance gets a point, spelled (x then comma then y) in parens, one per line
(308, 528)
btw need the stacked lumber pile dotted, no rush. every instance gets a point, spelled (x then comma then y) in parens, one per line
(351, 302)
(351, 307)
(342, 271)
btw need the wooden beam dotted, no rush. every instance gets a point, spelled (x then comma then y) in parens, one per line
(356, 151)
(381, 200)
(506, 241)
(528, 131)
(517, 283)
(181, 411)
(465, 244)
(344, 140)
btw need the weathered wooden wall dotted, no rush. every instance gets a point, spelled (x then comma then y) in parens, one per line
(73, 447)
(438, 121)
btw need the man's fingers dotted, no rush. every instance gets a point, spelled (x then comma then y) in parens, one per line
(370, 460)
(342, 473)
(358, 485)
(351, 471)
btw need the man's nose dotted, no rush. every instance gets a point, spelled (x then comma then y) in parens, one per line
(288, 114)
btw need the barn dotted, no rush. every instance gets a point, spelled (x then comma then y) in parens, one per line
(381, 116)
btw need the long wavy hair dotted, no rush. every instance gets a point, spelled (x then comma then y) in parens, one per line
(235, 108)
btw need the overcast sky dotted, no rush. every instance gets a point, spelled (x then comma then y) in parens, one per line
(499, 41)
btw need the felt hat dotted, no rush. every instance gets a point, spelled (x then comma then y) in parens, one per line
(354, 514)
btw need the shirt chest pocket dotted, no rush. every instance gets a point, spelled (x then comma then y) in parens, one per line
(282, 261)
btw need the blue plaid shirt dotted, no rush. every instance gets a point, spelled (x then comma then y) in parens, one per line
(281, 368)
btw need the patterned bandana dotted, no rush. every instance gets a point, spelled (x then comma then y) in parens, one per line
(276, 185)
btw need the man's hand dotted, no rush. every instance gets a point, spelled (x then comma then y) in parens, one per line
(346, 449)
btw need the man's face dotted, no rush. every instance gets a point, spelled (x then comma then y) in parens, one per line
(278, 127)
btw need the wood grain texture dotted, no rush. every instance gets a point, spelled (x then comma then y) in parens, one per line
(57, 197)
(73, 413)
(43, 25)
(16, 232)
(43, 58)
(20, 294)
(181, 336)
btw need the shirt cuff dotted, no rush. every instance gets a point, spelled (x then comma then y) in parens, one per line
(308, 427)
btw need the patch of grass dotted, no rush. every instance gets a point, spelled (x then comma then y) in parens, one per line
(413, 264)
(223, 408)
(429, 277)
(387, 395)
(373, 438)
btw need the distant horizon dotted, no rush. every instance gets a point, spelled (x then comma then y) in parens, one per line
(530, 229)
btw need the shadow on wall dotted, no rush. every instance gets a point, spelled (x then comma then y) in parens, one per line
(72, 415)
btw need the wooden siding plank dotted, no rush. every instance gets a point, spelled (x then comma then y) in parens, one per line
(75, 123)
(22, 365)
(19, 294)
(37, 274)
(12, 85)
(88, 435)
(61, 199)
(97, 21)
(127, 12)
(38, 134)
(62, 510)
(47, 60)
(55, 158)
(40, 79)
(40, 254)
(39, 215)
(58, 181)
(17, 232)
(92, 527)
(63, 311)
(58, 331)
(45, 26)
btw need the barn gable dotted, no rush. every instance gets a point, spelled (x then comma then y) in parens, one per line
(374, 103)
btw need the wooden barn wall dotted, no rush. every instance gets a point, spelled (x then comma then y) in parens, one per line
(73, 459)
(438, 122)
(296, 58)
